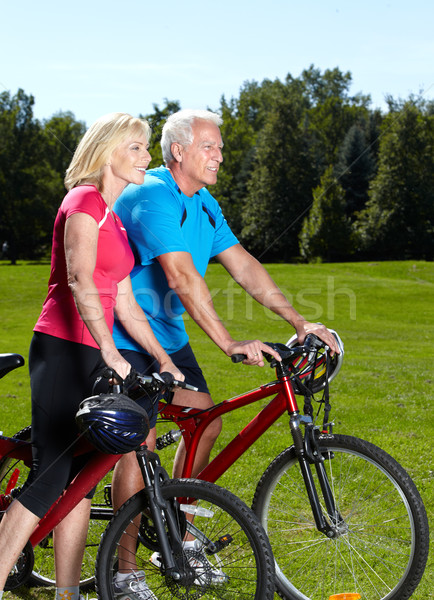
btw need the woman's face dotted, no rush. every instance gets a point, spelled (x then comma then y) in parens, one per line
(130, 160)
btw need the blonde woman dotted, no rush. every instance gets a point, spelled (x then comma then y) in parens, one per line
(72, 341)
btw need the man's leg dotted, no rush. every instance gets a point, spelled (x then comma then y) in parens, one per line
(127, 480)
(211, 433)
(69, 542)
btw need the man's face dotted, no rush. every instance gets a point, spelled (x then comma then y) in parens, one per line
(201, 160)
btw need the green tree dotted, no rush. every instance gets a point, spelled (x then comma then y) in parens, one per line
(26, 179)
(279, 188)
(243, 119)
(355, 169)
(398, 221)
(62, 135)
(156, 120)
(326, 232)
(331, 111)
(279, 137)
(239, 137)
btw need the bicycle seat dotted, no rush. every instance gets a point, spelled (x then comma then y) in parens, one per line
(9, 362)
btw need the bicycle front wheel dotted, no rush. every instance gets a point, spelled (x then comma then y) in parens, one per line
(243, 560)
(382, 545)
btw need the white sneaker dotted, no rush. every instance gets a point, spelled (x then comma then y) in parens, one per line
(133, 587)
(207, 573)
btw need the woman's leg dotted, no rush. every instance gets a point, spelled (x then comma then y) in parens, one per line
(16, 527)
(62, 375)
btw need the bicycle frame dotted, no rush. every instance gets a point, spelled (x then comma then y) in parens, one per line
(98, 465)
(193, 422)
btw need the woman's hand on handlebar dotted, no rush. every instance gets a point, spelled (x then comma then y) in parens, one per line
(252, 350)
(116, 362)
(303, 328)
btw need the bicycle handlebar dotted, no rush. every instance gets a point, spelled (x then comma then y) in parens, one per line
(167, 380)
(311, 341)
(135, 384)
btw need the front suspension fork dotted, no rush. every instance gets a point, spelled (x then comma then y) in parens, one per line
(161, 511)
(308, 453)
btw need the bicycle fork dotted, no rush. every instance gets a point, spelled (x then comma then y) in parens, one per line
(308, 453)
(166, 515)
(162, 512)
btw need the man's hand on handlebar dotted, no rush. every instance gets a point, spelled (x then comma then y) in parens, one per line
(252, 351)
(167, 366)
(167, 380)
(303, 328)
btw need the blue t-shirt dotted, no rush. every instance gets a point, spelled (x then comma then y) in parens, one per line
(159, 219)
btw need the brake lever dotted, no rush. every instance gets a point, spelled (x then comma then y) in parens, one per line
(112, 377)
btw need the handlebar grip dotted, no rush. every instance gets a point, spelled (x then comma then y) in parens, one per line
(185, 386)
(168, 380)
(236, 358)
(312, 341)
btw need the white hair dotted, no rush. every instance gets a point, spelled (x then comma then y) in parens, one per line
(178, 128)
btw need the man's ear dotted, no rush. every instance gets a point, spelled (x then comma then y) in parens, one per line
(176, 149)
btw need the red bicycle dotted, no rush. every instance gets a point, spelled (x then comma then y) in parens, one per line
(341, 514)
(229, 542)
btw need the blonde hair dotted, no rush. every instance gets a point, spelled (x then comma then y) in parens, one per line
(97, 145)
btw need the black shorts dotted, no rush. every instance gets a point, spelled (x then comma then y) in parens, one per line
(62, 374)
(183, 359)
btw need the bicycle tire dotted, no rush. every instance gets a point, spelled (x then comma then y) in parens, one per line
(247, 560)
(381, 556)
(43, 572)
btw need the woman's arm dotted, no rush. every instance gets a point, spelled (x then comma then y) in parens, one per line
(81, 242)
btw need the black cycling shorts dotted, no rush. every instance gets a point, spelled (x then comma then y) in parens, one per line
(62, 374)
(183, 359)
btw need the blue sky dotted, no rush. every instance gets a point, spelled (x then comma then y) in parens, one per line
(93, 57)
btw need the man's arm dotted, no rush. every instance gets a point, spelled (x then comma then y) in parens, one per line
(255, 280)
(137, 325)
(184, 279)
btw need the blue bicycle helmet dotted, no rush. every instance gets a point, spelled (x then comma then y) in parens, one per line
(113, 423)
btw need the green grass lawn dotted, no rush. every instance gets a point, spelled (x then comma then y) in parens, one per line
(384, 313)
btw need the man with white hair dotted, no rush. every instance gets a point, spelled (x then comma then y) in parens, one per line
(175, 227)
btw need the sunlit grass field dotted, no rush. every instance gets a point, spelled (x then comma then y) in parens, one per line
(384, 313)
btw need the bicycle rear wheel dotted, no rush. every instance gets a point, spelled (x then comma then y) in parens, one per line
(382, 547)
(43, 572)
(245, 560)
